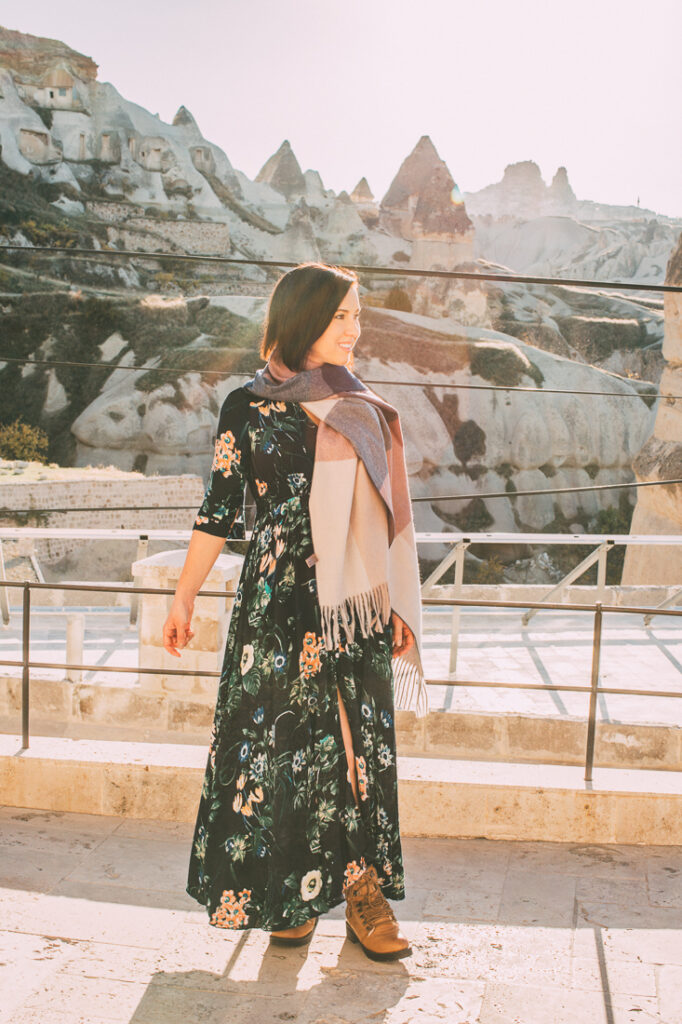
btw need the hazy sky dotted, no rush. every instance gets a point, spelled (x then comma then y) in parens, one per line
(594, 85)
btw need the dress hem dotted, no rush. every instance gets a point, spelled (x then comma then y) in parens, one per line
(334, 902)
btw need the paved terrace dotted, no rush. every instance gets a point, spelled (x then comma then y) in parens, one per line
(95, 928)
(555, 647)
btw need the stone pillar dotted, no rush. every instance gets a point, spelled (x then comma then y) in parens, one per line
(210, 622)
(659, 509)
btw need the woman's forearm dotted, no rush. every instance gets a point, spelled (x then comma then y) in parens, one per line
(202, 552)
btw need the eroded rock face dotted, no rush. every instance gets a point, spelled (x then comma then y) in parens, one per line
(467, 442)
(419, 202)
(283, 172)
(33, 57)
(659, 509)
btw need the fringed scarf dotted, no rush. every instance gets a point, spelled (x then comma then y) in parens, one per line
(360, 513)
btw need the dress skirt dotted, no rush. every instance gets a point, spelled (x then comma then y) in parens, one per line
(278, 831)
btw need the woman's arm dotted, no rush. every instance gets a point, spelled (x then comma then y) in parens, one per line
(202, 552)
(221, 517)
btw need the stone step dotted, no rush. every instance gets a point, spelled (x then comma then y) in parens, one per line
(115, 711)
(439, 797)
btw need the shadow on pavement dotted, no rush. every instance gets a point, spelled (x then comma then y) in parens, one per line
(345, 992)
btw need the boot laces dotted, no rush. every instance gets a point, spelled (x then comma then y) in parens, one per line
(375, 910)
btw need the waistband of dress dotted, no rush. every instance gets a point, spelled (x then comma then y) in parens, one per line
(270, 505)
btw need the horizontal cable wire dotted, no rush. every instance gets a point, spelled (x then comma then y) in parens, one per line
(25, 361)
(550, 490)
(430, 497)
(392, 271)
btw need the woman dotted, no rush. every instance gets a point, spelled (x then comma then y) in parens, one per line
(299, 805)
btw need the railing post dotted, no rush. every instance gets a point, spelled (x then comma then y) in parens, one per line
(601, 570)
(25, 655)
(594, 684)
(4, 597)
(142, 548)
(75, 633)
(456, 609)
(598, 555)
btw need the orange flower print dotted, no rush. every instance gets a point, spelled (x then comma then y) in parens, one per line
(268, 564)
(261, 486)
(231, 912)
(266, 408)
(200, 520)
(353, 871)
(226, 454)
(309, 658)
(361, 772)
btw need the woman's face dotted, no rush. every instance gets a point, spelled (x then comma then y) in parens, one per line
(337, 343)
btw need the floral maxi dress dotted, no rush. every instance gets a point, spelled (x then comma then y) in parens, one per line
(278, 831)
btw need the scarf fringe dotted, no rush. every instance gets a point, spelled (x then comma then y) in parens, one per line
(369, 611)
(409, 687)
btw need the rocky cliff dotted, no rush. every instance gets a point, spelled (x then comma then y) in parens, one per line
(458, 442)
(31, 58)
(659, 509)
(83, 166)
(545, 230)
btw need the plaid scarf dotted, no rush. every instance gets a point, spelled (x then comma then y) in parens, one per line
(360, 513)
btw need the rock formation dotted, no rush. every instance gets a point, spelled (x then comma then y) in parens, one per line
(457, 442)
(545, 230)
(659, 509)
(560, 193)
(362, 193)
(283, 172)
(523, 194)
(34, 57)
(81, 165)
(419, 206)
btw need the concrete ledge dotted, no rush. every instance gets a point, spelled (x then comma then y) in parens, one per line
(59, 706)
(537, 739)
(495, 800)
(438, 797)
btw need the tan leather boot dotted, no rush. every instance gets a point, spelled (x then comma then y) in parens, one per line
(299, 936)
(370, 920)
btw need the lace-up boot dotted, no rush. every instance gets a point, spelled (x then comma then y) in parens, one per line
(370, 920)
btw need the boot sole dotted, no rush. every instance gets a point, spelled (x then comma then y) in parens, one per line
(301, 940)
(397, 954)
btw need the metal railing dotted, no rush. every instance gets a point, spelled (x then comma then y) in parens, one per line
(594, 689)
(603, 544)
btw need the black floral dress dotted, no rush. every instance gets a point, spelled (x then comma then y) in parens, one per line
(278, 832)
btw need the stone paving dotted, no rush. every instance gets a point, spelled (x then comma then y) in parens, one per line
(95, 928)
(555, 647)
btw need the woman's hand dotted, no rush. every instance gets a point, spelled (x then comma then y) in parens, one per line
(176, 629)
(403, 637)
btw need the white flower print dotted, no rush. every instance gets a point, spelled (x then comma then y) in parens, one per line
(258, 766)
(247, 658)
(384, 755)
(311, 883)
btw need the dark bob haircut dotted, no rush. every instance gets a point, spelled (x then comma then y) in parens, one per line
(301, 308)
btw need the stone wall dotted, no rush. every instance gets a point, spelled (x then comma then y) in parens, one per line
(96, 488)
(659, 509)
(193, 236)
(112, 212)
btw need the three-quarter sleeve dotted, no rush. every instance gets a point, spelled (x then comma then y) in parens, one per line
(222, 510)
